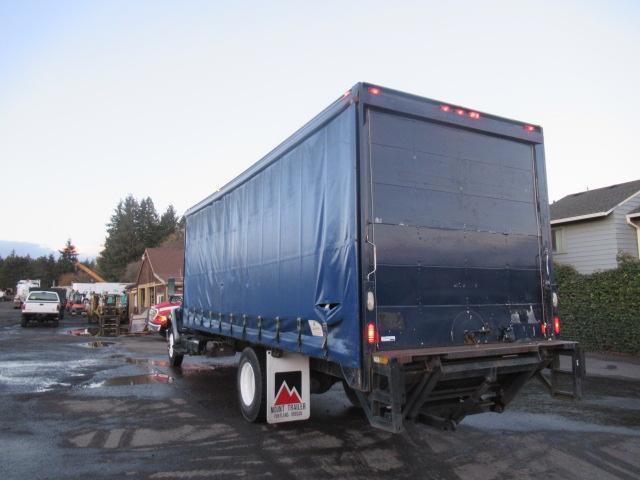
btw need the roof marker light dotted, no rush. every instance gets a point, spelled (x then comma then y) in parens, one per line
(474, 115)
(374, 90)
(346, 94)
(459, 111)
(445, 108)
(530, 128)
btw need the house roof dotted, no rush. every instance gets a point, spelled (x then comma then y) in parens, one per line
(166, 262)
(634, 211)
(592, 203)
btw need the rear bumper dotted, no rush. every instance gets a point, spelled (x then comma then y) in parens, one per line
(475, 351)
(443, 385)
(40, 316)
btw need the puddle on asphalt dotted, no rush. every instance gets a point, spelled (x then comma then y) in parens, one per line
(149, 378)
(196, 367)
(28, 376)
(147, 361)
(83, 332)
(97, 344)
(132, 380)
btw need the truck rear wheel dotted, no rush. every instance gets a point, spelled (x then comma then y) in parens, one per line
(252, 385)
(175, 359)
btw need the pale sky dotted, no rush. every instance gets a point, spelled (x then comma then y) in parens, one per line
(174, 99)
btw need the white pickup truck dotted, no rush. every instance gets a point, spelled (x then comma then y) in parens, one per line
(41, 306)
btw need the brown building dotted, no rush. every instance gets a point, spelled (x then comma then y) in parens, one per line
(74, 277)
(160, 275)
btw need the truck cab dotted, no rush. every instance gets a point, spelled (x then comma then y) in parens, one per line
(160, 313)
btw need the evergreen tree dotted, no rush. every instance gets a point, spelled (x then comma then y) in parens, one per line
(68, 258)
(52, 271)
(134, 226)
(16, 268)
(44, 269)
(168, 222)
(123, 241)
(147, 223)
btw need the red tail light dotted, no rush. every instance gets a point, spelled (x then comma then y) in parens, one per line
(543, 328)
(372, 333)
(556, 325)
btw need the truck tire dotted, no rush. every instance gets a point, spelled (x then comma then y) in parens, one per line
(252, 385)
(24, 322)
(351, 395)
(175, 359)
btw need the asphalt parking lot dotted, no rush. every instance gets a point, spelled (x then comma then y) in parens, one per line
(74, 407)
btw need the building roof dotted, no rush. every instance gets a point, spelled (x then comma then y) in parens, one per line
(592, 203)
(166, 262)
(635, 211)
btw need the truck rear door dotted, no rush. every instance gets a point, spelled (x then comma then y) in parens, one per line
(455, 224)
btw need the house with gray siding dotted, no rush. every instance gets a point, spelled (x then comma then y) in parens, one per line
(590, 228)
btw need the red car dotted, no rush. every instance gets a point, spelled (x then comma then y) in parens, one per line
(159, 314)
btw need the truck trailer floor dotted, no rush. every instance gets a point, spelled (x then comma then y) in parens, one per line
(75, 406)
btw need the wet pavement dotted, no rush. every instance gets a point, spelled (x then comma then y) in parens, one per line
(76, 406)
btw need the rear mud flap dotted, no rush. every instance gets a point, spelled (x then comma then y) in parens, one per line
(441, 391)
(288, 387)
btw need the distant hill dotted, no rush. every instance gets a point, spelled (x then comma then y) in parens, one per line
(24, 248)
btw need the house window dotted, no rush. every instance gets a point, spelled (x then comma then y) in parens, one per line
(557, 240)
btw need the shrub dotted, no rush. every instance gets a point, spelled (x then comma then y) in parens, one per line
(602, 310)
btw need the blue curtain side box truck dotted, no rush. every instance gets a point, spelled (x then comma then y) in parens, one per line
(396, 244)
